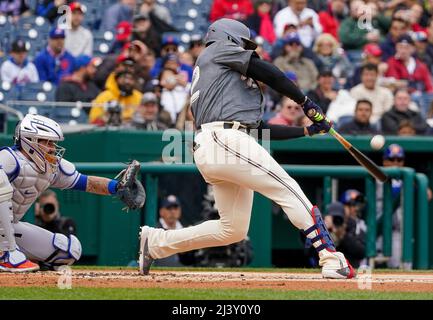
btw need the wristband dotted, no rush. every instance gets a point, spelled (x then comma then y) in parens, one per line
(112, 186)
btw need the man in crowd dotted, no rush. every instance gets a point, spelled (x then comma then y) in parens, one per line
(55, 62)
(403, 66)
(79, 40)
(117, 104)
(361, 121)
(79, 86)
(305, 18)
(398, 28)
(369, 89)
(17, 69)
(400, 112)
(146, 117)
(324, 93)
(121, 11)
(47, 215)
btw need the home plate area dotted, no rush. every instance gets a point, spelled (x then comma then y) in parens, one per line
(376, 281)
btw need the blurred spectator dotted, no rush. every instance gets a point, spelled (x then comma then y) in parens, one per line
(122, 38)
(121, 11)
(196, 46)
(79, 40)
(331, 17)
(351, 239)
(119, 100)
(361, 121)
(332, 57)
(324, 93)
(398, 28)
(343, 106)
(146, 117)
(289, 112)
(233, 9)
(50, 9)
(403, 66)
(400, 111)
(139, 53)
(170, 45)
(55, 62)
(393, 156)
(160, 11)
(406, 128)
(292, 60)
(170, 213)
(174, 94)
(369, 89)
(371, 54)
(13, 8)
(306, 20)
(79, 86)
(47, 215)
(17, 69)
(423, 51)
(261, 21)
(354, 34)
(144, 31)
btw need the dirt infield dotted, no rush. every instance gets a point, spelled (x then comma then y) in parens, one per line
(404, 282)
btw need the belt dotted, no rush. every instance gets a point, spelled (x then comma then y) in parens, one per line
(229, 125)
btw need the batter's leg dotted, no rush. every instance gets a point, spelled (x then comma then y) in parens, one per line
(257, 170)
(234, 205)
(51, 249)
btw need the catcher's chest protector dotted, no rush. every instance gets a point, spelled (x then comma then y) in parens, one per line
(27, 183)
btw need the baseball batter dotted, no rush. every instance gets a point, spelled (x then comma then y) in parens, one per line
(227, 104)
(32, 165)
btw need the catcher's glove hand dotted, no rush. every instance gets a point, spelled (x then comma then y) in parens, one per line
(129, 189)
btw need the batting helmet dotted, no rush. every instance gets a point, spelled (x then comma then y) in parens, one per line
(352, 196)
(231, 30)
(393, 151)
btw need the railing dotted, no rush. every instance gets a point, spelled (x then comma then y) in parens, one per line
(411, 180)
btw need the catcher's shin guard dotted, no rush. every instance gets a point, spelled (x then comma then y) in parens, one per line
(334, 264)
(144, 260)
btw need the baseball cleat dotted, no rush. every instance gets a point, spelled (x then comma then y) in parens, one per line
(16, 262)
(342, 273)
(144, 260)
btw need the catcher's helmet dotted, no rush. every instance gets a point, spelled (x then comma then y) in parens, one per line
(28, 133)
(231, 30)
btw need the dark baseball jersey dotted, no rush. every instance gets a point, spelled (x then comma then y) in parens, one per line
(220, 90)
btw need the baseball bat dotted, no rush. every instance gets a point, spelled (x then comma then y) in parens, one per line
(362, 159)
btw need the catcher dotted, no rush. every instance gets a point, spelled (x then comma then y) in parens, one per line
(32, 165)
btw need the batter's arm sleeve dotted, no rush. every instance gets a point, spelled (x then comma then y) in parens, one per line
(280, 132)
(269, 74)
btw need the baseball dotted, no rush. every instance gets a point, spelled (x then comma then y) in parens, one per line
(377, 142)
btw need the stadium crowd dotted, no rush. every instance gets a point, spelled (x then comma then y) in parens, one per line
(368, 64)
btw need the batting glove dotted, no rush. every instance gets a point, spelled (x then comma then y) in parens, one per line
(313, 111)
(320, 127)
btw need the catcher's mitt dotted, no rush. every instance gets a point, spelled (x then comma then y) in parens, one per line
(130, 190)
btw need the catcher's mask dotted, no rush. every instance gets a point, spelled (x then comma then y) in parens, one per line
(231, 30)
(37, 136)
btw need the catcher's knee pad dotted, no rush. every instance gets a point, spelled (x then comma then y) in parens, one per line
(318, 235)
(67, 251)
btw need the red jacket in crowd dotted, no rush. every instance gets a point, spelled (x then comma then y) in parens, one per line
(420, 79)
(329, 23)
(234, 9)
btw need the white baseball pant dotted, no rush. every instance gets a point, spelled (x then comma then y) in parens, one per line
(235, 165)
